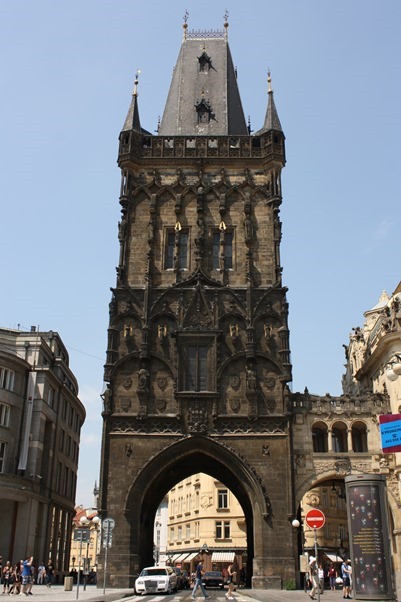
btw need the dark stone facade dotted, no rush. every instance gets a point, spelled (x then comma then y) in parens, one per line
(157, 426)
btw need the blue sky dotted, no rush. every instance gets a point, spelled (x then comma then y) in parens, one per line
(67, 76)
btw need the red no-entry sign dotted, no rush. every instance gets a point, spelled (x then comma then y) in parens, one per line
(315, 518)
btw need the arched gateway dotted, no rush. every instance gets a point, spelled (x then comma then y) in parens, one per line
(198, 343)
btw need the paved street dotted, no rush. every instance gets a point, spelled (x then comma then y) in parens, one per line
(93, 594)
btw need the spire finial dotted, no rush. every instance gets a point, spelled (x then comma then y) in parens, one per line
(185, 26)
(225, 17)
(269, 82)
(135, 92)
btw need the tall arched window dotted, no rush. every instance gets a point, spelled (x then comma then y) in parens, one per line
(359, 437)
(319, 438)
(339, 437)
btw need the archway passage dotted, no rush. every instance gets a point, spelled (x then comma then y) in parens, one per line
(176, 464)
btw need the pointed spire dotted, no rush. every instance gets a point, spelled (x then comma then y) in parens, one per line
(132, 121)
(185, 26)
(226, 15)
(272, 121)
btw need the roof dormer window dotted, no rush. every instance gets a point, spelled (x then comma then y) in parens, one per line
(204, 110)
(205, 62)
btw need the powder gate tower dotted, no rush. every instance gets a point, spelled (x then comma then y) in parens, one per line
(198, 356)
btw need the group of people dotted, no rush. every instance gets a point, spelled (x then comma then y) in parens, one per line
(230, 580)
(20, 577)
(317, 576)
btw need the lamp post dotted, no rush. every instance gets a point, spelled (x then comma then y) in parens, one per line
(204, 551)
(303, 564)
(394, 367)
(83, 521)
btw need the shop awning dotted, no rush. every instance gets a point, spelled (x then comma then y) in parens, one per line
(175, 556)
(223, 557)
(334, 557)
(191, 556)
(181, 557)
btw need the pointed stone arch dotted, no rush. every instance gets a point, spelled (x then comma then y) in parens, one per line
(178, 461)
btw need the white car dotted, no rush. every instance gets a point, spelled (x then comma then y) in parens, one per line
(155, 580)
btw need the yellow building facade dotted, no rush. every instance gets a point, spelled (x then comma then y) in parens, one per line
(205, 521)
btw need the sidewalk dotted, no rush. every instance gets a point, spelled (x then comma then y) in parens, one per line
(94, 594)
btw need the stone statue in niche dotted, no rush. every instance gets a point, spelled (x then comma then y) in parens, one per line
(143, 380)
(248, 227)
(107, 399)
(251, 379)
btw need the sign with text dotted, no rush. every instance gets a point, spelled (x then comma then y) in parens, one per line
(369, 539)
(390, 433)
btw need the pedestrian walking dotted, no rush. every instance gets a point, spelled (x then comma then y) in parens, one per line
(26, 575)
(6, 577)
(231, 576)
(41, 573)
(199, 582)
(312, 576)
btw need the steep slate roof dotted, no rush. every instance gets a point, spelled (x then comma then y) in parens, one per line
(216, 87)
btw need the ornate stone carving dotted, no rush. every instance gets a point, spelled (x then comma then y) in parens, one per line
(161, 404)
(161, 382)
(235, 405)
(125, 403)
(234, 381)
(127, 383)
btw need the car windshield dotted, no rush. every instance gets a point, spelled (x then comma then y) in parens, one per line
(150, 572)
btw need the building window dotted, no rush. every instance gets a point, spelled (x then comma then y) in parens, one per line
(6, 379)
(319, 439)
(62, 436)
(3, 447)
(172, 534)
(176, 251)
(188, 532)
(50, 397)
(339, 438)
(222, 499)
(196, 368)
(179, 535)
(4, 414)
(222, 247)
(222, 529)
(359, 438)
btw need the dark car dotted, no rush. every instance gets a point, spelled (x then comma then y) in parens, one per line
(213, 579)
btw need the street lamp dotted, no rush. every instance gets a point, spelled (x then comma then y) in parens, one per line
(303, 568)
(83, 521)
(394, 367)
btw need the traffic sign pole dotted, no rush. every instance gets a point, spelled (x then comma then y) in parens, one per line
(108, 524)
(315, 519)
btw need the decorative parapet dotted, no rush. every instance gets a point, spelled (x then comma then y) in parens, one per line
(135, 146)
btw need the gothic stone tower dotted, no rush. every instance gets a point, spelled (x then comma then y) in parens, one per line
(198, 344)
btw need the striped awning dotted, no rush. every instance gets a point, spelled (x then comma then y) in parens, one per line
(333, 557)
(181, 557)
(191, 556)
(223, 557)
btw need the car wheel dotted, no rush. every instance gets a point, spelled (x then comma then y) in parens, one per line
(169, 590)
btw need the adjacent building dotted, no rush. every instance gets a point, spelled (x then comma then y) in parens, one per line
(205, 520)
(40, 424)
(373, 368)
